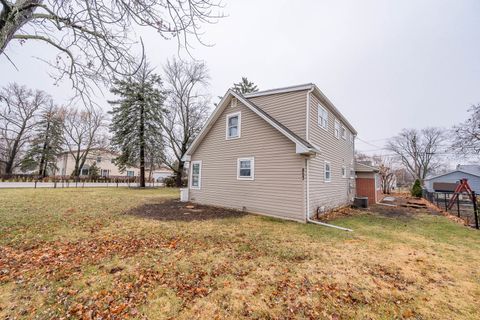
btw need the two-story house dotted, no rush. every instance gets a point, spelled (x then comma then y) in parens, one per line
(285, 152)
(101, 158)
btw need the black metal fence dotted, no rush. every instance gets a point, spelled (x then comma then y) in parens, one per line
(463, 207)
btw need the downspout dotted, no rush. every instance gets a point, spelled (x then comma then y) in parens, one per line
(307, 169)
(327, 225)
(307, 160)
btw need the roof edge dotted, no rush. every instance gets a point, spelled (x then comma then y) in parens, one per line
(444, 174)
(299, 87)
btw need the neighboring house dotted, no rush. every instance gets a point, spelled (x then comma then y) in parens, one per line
(160, 174)
(368, 182)
(103, 159)
(447, 181)
(284, 152)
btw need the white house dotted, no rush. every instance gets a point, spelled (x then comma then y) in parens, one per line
(469, 172)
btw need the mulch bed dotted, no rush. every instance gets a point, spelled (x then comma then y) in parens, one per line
(174, 210)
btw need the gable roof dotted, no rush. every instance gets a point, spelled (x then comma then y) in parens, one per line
(315, 90)
(453, 171)
(302, 146)
(361, 167)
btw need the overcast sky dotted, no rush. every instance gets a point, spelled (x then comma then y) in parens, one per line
(386, 65)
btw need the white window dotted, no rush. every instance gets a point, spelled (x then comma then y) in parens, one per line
(344, 172)
(343, 132)
(105, 172)
(328, 172)
(196, 175)
(130, 173)
(352, 173)
(322, 117)
(352, 138)
(233, 125)
(337, 129)
(245, 168)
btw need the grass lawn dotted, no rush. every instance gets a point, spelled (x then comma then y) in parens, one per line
(78, 254)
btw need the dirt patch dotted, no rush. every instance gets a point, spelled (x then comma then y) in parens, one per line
(404, 206)
(174, 210)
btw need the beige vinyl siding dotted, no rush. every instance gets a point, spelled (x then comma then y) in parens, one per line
(338, 152)
(66, 163)
(277, 188)
(287, 108)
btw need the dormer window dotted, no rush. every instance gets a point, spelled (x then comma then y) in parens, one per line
(233, 125)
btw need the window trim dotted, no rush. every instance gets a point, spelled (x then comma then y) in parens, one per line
(199, 162)
(344, 130)
(336, 129)
(325, 171)
(252, 168)
(319, 123)
(231, 115)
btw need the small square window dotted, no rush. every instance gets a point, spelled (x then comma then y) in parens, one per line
(245, 168)
(233, 125)
(322, 117)
(328, 172)
(130, 173)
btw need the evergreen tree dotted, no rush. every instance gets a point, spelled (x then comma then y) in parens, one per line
(416, 190)
(46, 143)
(245, 86)
(136, 119)
(93, 172)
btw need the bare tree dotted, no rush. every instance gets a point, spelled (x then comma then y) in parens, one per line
(94, 37)
(187, 109)
(418, 150)
(18, 108)
(466, 136)
(82, 132)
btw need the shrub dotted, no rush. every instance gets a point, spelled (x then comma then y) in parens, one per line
(416, 190)
(171, 182)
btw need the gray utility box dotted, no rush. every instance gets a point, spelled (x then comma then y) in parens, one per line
(360, 202)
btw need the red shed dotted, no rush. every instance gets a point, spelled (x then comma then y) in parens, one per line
(368, 182)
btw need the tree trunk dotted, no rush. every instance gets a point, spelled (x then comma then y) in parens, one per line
(179, 174)
(142, 145)
(13, 153)
(13, 18)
